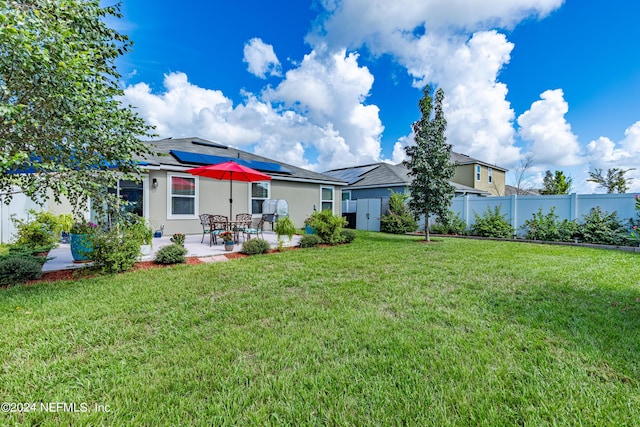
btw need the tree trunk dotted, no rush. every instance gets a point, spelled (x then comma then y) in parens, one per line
(426, 228)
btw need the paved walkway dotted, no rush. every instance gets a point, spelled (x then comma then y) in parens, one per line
(62, 259)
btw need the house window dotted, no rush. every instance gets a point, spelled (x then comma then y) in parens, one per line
(327, 198)
(477, 172)
(346, 195)
(182, 196)
(259, 193)
(490, 175)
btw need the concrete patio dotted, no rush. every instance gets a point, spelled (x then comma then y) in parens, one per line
(61, 258)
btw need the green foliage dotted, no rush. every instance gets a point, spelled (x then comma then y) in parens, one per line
(42, 231)
(310, 241)
(18, 269)
(614, 182)
(114, 252)
(491, 224)
(60, 106)
(547, 227)
(399, 220)
(452, 223)
(347, 235)
(429, 161)
(178, 238)
(634, 223)
(136, 228)
(556, 183)
(285, 227)
(255, 247)
(327, 226)
(171, 254)
(603, 228)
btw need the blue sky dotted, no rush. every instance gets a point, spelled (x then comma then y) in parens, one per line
(333, 83)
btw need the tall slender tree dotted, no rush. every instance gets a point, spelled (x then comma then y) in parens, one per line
(62, 125)
(429, 161)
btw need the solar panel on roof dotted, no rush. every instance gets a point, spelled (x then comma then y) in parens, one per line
(209, 144)
(207, 159)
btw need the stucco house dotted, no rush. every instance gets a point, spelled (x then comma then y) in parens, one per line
(171, 198)
(479, 175)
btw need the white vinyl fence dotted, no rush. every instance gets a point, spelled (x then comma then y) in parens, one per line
(518, 209)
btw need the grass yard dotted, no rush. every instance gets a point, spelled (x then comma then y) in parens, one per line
(385, 331)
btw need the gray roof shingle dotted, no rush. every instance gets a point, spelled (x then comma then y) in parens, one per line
(197, 145)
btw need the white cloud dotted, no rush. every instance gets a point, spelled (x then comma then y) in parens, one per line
(545, 126)
(261, 59)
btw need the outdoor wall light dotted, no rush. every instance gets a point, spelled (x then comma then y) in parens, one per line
(154, 182)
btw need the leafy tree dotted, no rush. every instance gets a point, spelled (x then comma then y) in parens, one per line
(556, 183)
(614, 182)
(59, 109)
(429, 161)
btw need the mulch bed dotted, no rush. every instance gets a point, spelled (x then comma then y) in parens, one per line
(75, 274)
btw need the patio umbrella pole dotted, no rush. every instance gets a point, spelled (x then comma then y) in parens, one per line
(230, 195)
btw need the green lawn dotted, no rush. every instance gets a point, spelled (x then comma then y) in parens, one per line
(385, 331)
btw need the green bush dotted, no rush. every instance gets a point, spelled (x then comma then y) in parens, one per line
(398, 220)
(171, 254)
(347, 235)
(327, 226)
(451, 224)
(114, 252)
(548, 228)
(255, 247)
(491, 224)
(18, 269)
(603, 228)
(43, 231)
(310, 241)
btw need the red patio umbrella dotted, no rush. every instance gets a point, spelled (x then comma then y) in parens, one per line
(233, 172)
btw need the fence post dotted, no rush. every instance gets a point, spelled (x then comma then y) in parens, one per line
(514, 213)
(573, 207)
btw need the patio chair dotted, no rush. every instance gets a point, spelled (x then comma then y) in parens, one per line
(217, 224)
(243, 220)
(257, 230)
(204, 221)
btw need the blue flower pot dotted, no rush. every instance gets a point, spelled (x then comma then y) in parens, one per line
(309, 230)
(81, 247)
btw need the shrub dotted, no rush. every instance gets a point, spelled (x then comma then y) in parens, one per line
(547, 228)
(114, 252)
(491, 224)
(43, 231)
(15, 270)
(451, 224)
(603, 228)
(255, 247)
(171, 254)
(327, 226)
(399, 220)
(310, 241)
(347, 235)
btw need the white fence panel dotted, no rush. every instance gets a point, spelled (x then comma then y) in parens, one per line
(518, 209)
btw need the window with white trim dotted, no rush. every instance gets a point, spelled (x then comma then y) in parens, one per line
(259, 193)
(490, 171)
(183, 196)
(326, 201)
(478, 169)
(346, 195)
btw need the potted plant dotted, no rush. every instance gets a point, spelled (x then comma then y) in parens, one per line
(227, 238)
(178, 238)
(80, 240)
(66, 222)
(285, 227)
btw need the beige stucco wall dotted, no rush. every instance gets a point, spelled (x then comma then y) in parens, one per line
(466, 175)
(213, 198)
